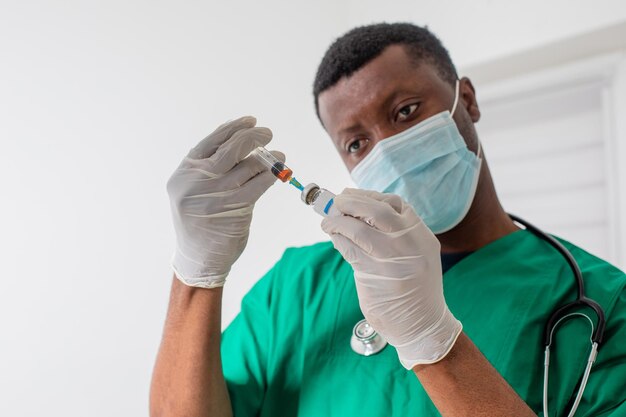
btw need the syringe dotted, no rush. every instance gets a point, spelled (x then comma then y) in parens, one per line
(278, 168)
(312, 195)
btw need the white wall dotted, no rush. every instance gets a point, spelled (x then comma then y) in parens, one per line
(98, 103)
(481, 30)
(552, 151)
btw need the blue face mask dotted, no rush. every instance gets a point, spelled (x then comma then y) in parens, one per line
(429, 166)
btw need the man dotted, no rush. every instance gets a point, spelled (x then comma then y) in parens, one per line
(469, 342)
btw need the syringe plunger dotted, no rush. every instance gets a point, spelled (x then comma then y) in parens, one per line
(278, 168)
(321, 199)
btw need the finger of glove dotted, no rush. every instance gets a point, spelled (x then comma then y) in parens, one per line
(255, 187)
(235, 149)
(357, 231)
(207, 146)
(190, 182)
(393, 200)
(348, 250)
(247, 169)
(379, 214)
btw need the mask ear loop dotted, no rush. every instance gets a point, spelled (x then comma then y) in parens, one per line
(456, 102)
(456, 97)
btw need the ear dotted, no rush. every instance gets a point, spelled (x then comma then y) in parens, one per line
(468, 99)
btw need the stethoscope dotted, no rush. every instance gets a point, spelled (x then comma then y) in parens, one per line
(366, 341)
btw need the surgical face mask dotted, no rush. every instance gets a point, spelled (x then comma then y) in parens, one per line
(429, 166)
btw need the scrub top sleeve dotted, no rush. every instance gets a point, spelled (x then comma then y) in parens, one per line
(245, 350)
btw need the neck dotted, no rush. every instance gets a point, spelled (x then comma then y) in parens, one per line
(485, 222)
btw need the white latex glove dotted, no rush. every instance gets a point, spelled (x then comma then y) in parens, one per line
(397, 269)
(212, 194)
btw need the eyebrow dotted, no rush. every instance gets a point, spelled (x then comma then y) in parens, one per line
(349, 129)
(390, 97)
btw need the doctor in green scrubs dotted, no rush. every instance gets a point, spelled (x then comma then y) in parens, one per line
(423, 250)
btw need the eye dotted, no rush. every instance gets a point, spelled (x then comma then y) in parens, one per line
(356, 145)
(406, 111)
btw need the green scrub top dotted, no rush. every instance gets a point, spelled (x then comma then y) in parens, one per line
(288, 351)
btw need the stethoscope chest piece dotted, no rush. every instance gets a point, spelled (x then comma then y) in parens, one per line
(365, 340)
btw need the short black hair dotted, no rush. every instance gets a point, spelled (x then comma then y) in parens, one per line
(362, 44)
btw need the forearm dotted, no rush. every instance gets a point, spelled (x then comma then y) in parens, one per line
(465, 384)
(188, 378)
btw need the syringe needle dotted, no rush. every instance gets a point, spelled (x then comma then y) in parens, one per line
(293, 181)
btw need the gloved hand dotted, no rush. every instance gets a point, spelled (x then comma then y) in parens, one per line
(397, 269)
(212, 194)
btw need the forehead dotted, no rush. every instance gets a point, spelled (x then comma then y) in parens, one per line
(371, 86)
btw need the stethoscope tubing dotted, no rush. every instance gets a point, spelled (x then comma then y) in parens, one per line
(581, 299)
(566, 312)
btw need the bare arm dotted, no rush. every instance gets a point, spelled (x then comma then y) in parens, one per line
(188, 379)
(465, 384)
